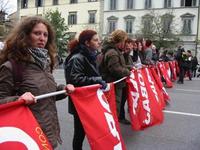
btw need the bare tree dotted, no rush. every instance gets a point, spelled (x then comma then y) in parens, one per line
(160, 28)
(4, 7)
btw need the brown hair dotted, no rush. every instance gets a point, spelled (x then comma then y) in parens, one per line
(148, 43)
(71, 45)
(18, 41)
(85, 35)
(118, 36)
(129, 40)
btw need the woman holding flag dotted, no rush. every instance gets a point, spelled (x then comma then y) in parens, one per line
(113, 66)
(27, 61)
(81, 70)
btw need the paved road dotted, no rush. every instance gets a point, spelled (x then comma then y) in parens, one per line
(178, 131)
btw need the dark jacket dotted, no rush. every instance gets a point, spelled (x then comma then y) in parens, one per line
(194, 63)
(36, 81)
(81, 70)
(138, 54)
(113, 66)
(128, 60)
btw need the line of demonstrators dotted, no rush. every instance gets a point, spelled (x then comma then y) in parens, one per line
(31, 48)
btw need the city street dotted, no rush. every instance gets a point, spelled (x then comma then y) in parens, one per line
(179, 131)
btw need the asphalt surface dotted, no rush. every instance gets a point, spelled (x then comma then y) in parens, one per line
(179, 131)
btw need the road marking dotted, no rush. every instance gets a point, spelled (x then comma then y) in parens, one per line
(181, 113)
(187, 90)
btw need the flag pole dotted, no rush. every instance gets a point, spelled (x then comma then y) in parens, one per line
(50, 94)
(64, 91)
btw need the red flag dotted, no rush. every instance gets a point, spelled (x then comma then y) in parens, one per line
(19, 129)
(157, 93)
(172, 65)
(97, 118)
(167, 67)
(144, 110)
(160, 85)
(177, 67)
(165, 75)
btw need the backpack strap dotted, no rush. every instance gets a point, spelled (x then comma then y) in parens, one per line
(17, 70)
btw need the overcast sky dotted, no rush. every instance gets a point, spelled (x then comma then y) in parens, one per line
(12, 6)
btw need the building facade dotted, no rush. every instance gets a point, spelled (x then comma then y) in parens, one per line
(131, 15)
(78, 14)
(105, 16)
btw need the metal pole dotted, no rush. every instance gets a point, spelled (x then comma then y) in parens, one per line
(18, 9)
(36, 1)
(43, 7)
(197, 36)
(50, 94)
(64, 91)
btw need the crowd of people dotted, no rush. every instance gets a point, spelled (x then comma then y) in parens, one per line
(32, 46)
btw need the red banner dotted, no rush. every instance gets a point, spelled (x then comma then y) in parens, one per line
(144, 109)
(156, 92)
(19, 129)
(160, 85)
(172, 65)
(167, 67)
(177, 67)
(165, 75)
(97, 117)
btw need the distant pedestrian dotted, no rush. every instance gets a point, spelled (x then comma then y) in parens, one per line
(181, 58)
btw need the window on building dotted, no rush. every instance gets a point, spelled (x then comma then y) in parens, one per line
(129, 4)
(167, 21)
(129, 26)
(129, 23)
(188, 3)
(187, 29)
(38, 3)
(113, 4)
(2, 16)
(92, 0)
(147, 24)
(55, 2)
(112, 23)
(187, 20)
(92, 16)
(72, 18)
(24, 3)
(167, 3)
(147, 4)
(73, 1)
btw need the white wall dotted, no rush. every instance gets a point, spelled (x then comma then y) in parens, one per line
(157, 5)
(82, 8)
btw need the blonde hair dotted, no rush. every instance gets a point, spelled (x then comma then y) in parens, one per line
(118, 36)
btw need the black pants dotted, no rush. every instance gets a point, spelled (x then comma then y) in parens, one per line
(194, 72)
(79, 133)
(181, 74)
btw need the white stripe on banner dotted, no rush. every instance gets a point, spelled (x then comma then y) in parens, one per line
(181, 113)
